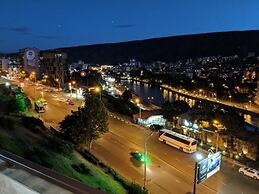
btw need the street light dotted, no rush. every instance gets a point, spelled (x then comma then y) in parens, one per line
(145, 161)
(200, 92)
(98, 90)
(137, 100)
(73, 83)
(230, 98)
(57, 80)
(70, 89)
(42, 94)
(199, 157)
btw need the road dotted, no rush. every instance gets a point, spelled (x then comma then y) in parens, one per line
(170, 170)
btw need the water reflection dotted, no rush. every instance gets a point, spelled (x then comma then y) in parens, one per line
(161, 95)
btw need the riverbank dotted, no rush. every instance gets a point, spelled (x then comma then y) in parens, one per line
(251, 109)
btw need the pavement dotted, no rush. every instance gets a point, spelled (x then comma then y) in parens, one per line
(170, 170)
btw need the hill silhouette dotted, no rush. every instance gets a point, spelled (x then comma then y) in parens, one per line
(168, 48)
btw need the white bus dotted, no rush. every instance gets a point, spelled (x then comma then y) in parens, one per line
(179, 141)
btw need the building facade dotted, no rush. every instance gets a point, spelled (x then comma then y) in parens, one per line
(29, 58)
(54, 66)
(4, 63)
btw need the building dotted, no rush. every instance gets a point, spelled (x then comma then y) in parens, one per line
(257, 93)
(4, 63)
(150, 118)
(29, 58)
(54, 65)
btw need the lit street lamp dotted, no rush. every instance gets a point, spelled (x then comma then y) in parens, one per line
(137, 100)
(200, 92)
(230, 98)
(42, 94)
(145, 161)
(98, 91)
(57, 80)
(73, 83)
(70, 88)
(199, 157)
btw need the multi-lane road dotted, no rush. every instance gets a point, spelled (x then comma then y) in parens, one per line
(169, 170)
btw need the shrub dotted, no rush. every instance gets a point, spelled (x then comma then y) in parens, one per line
(35, 124)
(82, 169)
(60, 146)
(136, 189)
(38, 155)
(6, 123)
(89, 157)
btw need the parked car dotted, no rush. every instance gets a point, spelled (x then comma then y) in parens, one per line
(156, 127)
(70, 102)
(249, 172)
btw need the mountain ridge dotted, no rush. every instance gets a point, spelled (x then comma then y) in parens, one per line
(170, 48)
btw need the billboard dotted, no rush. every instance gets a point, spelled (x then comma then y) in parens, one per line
(208, 166)
(31, 60)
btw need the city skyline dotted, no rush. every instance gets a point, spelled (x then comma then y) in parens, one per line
(44, 25)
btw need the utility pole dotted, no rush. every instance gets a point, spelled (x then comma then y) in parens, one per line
(145, 159)
(195, 178)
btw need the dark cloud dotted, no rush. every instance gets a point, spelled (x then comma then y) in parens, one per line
(123, 26)
(47, 37)
(20, 30)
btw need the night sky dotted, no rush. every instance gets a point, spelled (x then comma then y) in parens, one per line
(60, 23)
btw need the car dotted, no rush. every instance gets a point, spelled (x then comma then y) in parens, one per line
(156, 127)
(70, 102)
(249, 172)
(138, 156)
(43, 101)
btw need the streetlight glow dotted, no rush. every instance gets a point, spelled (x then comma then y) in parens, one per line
(97, 89)
(137, 100)
(198, 156)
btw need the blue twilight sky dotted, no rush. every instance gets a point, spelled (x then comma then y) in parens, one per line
(59, 23)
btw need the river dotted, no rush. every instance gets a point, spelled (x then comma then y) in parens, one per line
(158, 96)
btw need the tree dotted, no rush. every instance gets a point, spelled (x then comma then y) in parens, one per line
(87, 124)
(127, 95)
(172, 110)
(235, 128)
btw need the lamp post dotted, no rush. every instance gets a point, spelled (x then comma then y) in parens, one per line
(145, 160)
(98, 90)
(250, 103)
(137, 100)
(70, 89)
(57, 80)
(42, 94)
(200, 92)
(74, 83)
(34, 75)
(230, 98)
(199, 157)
